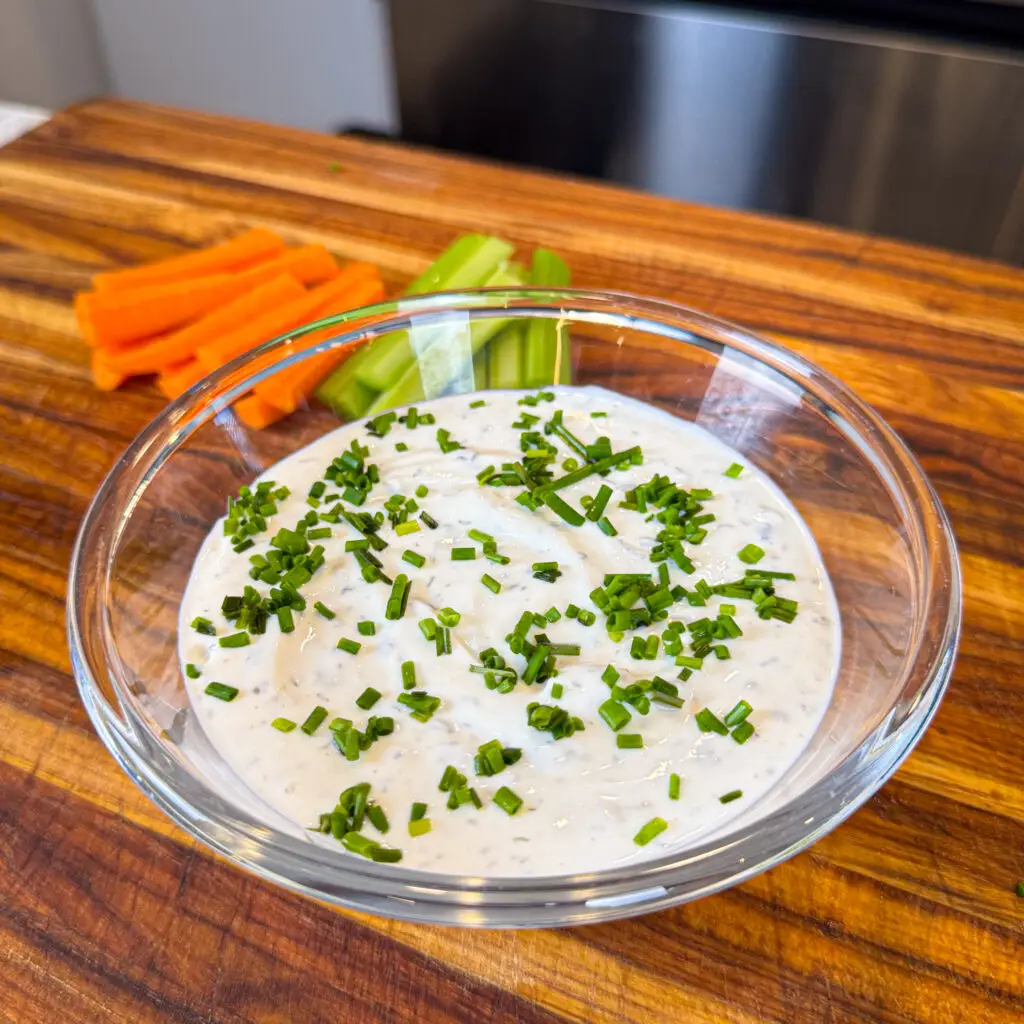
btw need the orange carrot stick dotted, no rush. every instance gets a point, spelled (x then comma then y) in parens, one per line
(308, 264)
(174, 348)
(289, 388)
(245, 250)
(105, 377)
(352, 279)
(257, 414)
(177, 381)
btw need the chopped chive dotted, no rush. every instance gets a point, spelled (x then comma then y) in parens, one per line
(742, 732)
(221, 691)
(314, 721)
(349, 646)
(419, 827)
(738, 714)
(629, 741)
(401, 446)
(428, 520)
(367, 698)
(191, 671)
(448, 617)
(418, 811)
(751, 554)
(490, 583)
(378, 819)
(651, 830)
(585, 617)
(685, 661)
(319, 534)
(708, 721)
(463, 554)
(413, 558)
(204, 626)
(283, 724)
(552, 614)
(605, 526)
(422, 491)
(362, 544)
(481, 537)
(285, 620)
(366, 628)
(734, 794)
(479, 403)
(571, 611)
(556, 691)
(674, 786)
(734, 471)
(561, 508)
(614, 714)
(410, 526)
(508, 801)
(428, 627)
(234, 640)
(324, 610)
(610, 675)
(408, 675)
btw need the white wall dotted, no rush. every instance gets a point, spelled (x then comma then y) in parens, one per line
(320, 64)
(49, 52)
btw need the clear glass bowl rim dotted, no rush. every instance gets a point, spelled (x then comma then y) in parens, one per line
(400, 892)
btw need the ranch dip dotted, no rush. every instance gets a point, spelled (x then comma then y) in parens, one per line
(649, 737)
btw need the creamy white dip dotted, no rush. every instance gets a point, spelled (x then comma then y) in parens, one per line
(584, 799)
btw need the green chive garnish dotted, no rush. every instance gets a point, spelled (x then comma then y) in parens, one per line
(708, 721)
(449, 617)
(614, 714)
(204, 626)
(191, 671)
(742, 732)
(490, 583)
(234, 640)
(366, 628)
(367, 698)
(283, 724)
(324, 610)
(314, 721)
(463, 554)
(408, 675)
(320, 533)
(508, 801)
(413, 558)
(674, 786)
(751, 554)
(285, 620)
(419, 827)
(738, 714)
(729, 797)
(410, 526)
(629, 741)
(349, 646)
(734, 471)
(479, 403)
(221, 691)
(556, 691)
(422, 491)
(652, 829)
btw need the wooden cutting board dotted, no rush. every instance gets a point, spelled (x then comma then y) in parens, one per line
(906, 913)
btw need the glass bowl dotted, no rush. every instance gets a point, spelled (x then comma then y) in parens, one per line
(880, 528)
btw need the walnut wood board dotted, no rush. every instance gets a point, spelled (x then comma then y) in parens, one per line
(905, 913)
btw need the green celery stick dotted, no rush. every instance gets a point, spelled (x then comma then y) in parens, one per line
(546, 345)
(409, 387)
(506, 357)
(389, 358)
(343, 393)
(432, 279)
(481, 362)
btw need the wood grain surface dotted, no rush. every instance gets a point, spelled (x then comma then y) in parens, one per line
(906, 913)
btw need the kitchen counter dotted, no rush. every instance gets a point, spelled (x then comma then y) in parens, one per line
(905, 913)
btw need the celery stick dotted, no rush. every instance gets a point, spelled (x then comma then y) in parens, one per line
(450, 260)
(506, 357)
(409, 387)
(390, 357)
(343, 393)
(480, 368)
(546, 345)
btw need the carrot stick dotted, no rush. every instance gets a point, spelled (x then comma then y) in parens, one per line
(177, 381)
(257, 414)
(156, 355)
(105, 377)
(245, 250)
(353, 279)
(290, 388)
